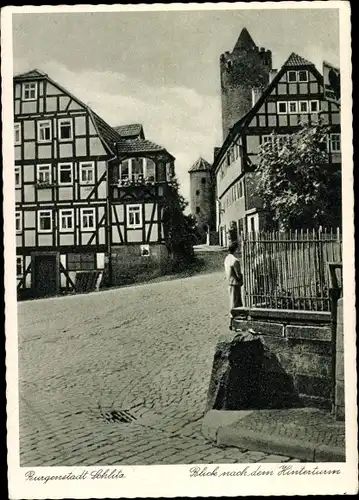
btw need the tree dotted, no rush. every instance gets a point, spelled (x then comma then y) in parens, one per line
(179, 228)
(297, 185)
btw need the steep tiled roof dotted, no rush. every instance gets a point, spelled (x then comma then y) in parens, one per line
(108, 134)
(131, 130)
(295, 60)
(200, 165)
(137, 146)
(245, 41)
(34, 73)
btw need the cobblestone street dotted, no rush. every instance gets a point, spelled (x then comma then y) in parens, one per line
(121, 376)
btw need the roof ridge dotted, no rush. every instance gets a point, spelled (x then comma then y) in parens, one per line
(297, 60)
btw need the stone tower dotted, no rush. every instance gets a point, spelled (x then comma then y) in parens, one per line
(202, 196)
(243, 69)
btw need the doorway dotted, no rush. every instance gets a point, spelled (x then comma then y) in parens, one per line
(45, 274)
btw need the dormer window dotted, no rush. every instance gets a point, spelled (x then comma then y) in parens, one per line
(29, 91)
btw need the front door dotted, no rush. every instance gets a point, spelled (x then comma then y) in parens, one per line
(45, 274)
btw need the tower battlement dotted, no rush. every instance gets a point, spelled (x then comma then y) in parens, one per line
(246, 67)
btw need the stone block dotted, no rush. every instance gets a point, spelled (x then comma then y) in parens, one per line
(266, 328)
(339, 394)
(235, 373)
(313, 386)
(312, 365)
(315, 333)
(307, 347)
(290, 316)
(339, 366)
(339, 413)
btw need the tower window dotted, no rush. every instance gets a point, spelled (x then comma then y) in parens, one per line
(203, 180)
(198, 210)
(197, 192)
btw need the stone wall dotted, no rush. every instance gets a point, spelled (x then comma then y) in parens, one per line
(291, 365)
(128, 265)
(339, 408)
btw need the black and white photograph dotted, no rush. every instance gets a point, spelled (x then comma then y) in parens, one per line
(179, 250)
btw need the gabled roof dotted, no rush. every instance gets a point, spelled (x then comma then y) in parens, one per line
(131, 130)
(34, 73)
(295, 60)
(138, 146)
(108, 135)
(201, 165)
(245, 41)
(246, 119)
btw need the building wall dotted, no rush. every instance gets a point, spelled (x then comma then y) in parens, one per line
(42, 188)
(297, 354)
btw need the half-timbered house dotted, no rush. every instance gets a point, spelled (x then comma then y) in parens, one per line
(139, 185)
(294, 96)
(61, 152)
(89, 197)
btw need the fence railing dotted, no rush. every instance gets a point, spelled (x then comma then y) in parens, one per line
(289, 270)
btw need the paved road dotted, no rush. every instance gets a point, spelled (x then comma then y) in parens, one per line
(121, 376)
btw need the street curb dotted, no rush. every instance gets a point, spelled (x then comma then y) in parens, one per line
(220, 429)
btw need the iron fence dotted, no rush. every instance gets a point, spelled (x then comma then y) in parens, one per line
(289, 270)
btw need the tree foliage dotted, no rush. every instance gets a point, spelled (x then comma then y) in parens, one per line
(298, 187)
(180, 229)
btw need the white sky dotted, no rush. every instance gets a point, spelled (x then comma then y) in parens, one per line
(161, 69)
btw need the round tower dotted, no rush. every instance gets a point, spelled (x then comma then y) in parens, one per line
(202, 196)
(243, 69)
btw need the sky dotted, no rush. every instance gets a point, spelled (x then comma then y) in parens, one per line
(161, 69)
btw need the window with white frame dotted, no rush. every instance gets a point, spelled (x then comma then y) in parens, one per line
(292, 107)
(335, 143)
(66, 217)
(303, 106)
(19, 266)
(44, 221)
(134, 216)
(302, 75)
(17, 133)
(292, 76)
(314, 106)
(65, 129)
(87, 172)
(267, 138)
(18, 221)
(17, 176)
(44, 131)
(65, 174)
(43, 174)
(29, 91)
(282, 107)
(87, 218)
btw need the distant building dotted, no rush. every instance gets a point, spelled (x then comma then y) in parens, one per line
(246, 67)
(89, 197)
(293, 96)
(202, 196)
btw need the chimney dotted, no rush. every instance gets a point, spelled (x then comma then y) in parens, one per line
(272, 74)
